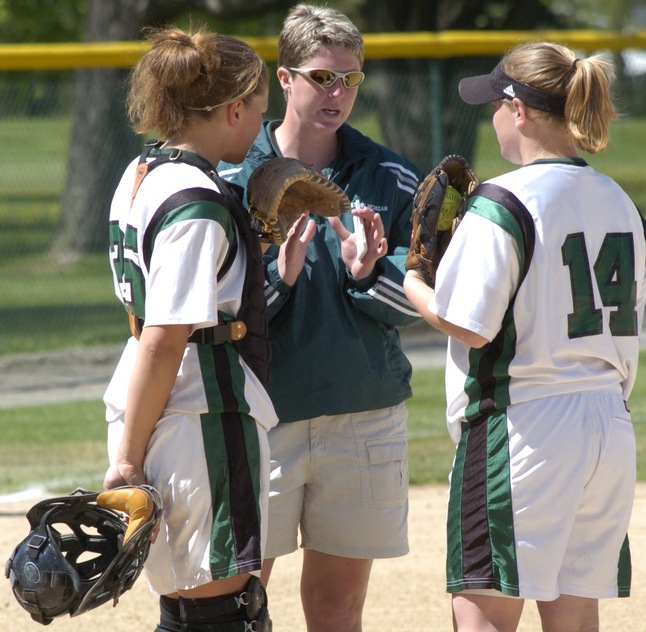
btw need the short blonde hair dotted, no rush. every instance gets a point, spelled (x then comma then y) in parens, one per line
(308, 28)
(187, 74)
(584, 84)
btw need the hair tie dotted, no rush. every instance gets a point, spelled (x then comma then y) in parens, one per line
(574, 63)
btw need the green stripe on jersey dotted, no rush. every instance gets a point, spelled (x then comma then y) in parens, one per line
(487, 384)
(222, 554)
(201, 209)
(502, 217)
(481, 545)
(236, 379)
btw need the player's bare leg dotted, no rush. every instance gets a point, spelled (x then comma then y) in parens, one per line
(574, 614)
(333, 591)
(479, 613)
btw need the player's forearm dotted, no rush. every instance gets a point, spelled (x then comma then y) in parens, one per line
(158, 359)
(420, 295)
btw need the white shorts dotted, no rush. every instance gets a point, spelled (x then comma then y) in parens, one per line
(343, 480)
(541, 499)
(214, 524)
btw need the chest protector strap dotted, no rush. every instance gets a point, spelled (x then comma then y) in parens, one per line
(249, 331)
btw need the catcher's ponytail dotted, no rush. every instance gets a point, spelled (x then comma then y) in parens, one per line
(583, 82)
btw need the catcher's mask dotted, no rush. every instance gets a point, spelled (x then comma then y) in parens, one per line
(84, 549)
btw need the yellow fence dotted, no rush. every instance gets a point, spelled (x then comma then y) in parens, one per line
(378, 46)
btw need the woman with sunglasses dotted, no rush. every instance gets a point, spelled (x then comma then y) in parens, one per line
(338, 375)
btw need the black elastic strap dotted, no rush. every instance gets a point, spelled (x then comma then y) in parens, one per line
(181, 198)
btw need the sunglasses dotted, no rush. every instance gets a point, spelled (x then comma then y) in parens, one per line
(327, 78)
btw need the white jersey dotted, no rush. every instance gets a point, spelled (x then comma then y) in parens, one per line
(194, 237)
(575, 321)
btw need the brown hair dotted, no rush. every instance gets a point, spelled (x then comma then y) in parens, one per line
(307, 28)
(584, 83)
(187, 74)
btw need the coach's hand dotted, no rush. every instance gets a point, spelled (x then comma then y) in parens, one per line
(291, 256)
(377, 245)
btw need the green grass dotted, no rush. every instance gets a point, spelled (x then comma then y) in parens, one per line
(47, 304)
(623, 160)
(430, 449)
(38, 150)
(54, 447)
(60, 447)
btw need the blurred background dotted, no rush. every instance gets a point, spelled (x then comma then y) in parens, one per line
(65, 139)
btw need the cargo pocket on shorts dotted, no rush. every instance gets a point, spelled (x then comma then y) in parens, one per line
(388, 467)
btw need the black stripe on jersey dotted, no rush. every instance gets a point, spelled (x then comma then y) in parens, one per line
(641, 217)
(242, 500)
(175, 201)
(488, 376)
(481, 543)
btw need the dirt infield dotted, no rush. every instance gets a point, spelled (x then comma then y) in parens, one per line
(405, 593)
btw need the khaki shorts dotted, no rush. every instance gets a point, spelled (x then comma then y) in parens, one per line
(343, 481)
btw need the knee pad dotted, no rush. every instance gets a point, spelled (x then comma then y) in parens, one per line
(169, 620)
(245, 611)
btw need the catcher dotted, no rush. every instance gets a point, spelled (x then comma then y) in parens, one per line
(187, 405)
